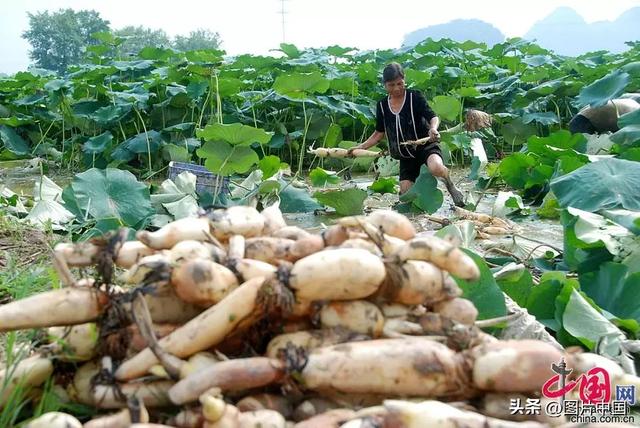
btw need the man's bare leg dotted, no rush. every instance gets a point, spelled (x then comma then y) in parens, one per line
(437, 168)
(405, 185)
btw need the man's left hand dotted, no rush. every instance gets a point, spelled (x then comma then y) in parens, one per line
(434, 135)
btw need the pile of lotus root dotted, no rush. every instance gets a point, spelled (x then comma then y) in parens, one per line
(236, 320)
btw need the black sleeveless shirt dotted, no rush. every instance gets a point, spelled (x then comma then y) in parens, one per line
(411, 123)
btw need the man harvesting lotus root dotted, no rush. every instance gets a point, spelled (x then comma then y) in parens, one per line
(404, 115)
(598, 120)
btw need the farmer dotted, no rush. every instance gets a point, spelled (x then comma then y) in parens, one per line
(404, 115)
(597, 120)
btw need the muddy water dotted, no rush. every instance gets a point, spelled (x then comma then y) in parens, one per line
(20, 176)
(532, 231)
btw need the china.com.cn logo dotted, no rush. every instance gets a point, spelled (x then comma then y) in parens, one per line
(595, 403)
(594, 393)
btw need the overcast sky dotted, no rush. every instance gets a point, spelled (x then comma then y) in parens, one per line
(255, 26)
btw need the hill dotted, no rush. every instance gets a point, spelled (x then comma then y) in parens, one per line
(459, 30)
(567, 33)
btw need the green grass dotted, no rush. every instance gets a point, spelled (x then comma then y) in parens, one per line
(26, 270)
(18, 282)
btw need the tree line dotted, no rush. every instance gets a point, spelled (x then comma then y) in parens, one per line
(59, 39)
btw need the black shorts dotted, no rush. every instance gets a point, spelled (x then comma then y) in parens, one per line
(410, 167)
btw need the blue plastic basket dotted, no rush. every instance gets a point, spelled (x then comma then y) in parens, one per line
(206, 181)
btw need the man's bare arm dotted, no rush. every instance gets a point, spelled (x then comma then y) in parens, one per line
(374, 139)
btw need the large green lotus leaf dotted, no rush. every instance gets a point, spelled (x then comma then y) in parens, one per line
(269, 166)
(144, 142)
(137, 65)
(15, 121)
(586, 323)
(484, 293)
(184, 129)
(561, 301)
(417, 78)
(457, 141)
(592, 228)
(98, 144)
(224, 159)
(516, 281)
(615, 291)
(387, 166)
(206, 56)
(155, 53)
(12, 141)
(514, 169)
(627, 136)
(506, 203)
(295, 200)
(562, 139)
(626, 218)
(177, 95)
(606, 184)
(109, 114)
(446, 107)
(516, 131)
(70, 202)
(49, 212)
(277, 141)
(579, 255)
(300, 85)
(629, 119)
(235, 134)
(633, 68)
(338, 50)
(534, 75)
(547, 88)
(85, 108)
(454, 72)
(320, 177)
(290, 50)
(468, 92)
(424, 194)
(463, 232)
(539, 300)
(384, 185)
(550, 208)
(122, 155)
(228, 86)
(45, 189)
(183, 185)
(345, 85)
(197, 89)
(177, 196)
(138, 96)
(602, 90)
(56, 85)
(543, 118)
(333, 136)
(346, 202)
(30, 100)
(112, 193)
(632, 154)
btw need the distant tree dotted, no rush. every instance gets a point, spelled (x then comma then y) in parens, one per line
(137, 38)
(197, 40)
(59, 39)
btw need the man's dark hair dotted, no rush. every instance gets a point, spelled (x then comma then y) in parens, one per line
(391, 72)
